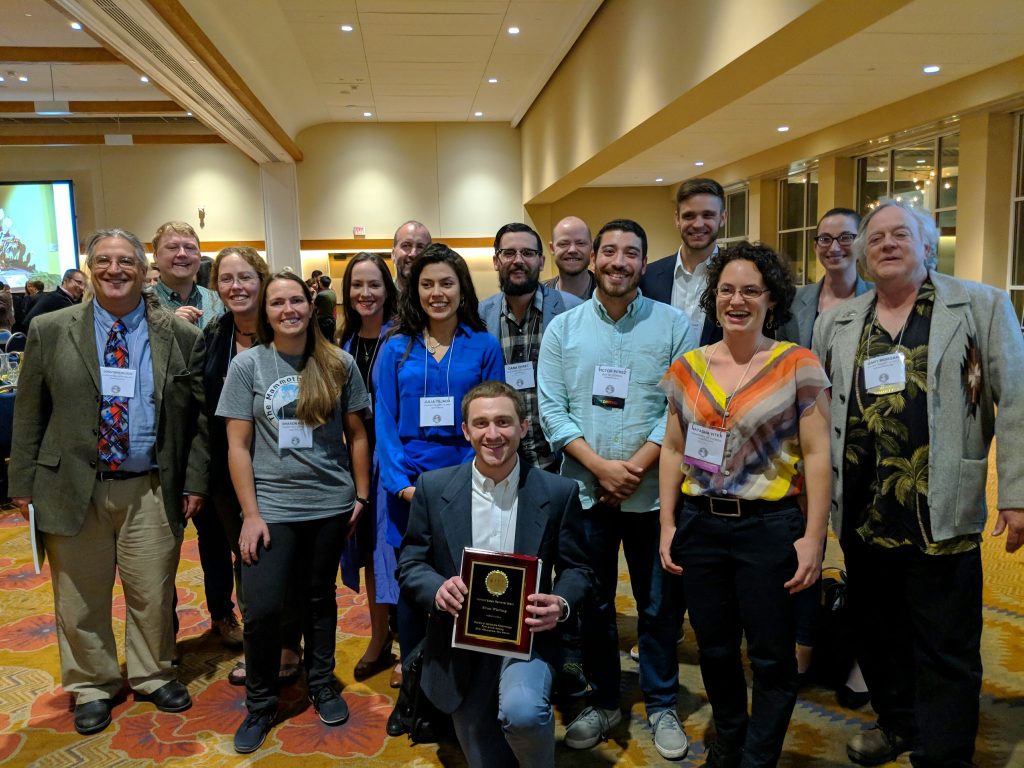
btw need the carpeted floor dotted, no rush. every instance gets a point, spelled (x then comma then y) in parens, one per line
(36, 723)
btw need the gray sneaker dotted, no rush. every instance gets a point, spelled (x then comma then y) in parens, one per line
(669, 738)
(591, 726)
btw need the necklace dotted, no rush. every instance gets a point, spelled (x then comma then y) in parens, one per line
(250, 336)
(432, 348)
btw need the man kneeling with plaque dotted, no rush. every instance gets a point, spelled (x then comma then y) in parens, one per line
(500, 702)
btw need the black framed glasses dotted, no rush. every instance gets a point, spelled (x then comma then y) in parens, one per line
(509, 254)
(825, 241)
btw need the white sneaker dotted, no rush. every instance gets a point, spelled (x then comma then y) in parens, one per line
(592, 726)
(669, 738)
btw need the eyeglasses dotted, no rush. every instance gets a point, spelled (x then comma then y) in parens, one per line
(747, 291)
(246, 278)
(124, 262)
(825, 241)
(509, 254)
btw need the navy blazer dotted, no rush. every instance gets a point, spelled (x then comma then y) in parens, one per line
(549, 524)
(656, 284)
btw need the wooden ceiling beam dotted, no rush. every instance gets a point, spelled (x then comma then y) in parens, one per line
(19, 54)
(100, 107)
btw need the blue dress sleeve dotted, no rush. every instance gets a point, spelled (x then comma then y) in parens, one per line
(394, 471)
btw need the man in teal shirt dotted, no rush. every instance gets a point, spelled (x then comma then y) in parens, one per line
(177, 256)
(600, 404)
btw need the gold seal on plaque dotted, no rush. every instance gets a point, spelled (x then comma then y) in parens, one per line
(496, 582)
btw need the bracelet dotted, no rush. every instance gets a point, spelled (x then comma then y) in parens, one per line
(364, 502)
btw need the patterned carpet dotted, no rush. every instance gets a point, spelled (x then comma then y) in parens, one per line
(36, 726)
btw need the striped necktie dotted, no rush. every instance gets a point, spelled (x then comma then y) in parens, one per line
(113, 442)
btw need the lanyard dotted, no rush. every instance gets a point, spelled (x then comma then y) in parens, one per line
(448, 370)
(728, 400)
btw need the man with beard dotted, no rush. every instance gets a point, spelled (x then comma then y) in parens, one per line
(599, 369)
(411, 239)
(680, 279)
(572, 247)
(517, 317)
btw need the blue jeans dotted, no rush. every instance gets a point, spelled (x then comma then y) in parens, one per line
(512, 725)
(734, 569)
(659, 606)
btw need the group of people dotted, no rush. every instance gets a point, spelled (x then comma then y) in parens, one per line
(699, 412)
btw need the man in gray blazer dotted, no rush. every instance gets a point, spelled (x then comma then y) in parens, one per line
(925, 370)
(517, 316)
(833, 245)
(110, 448)
(495, 502)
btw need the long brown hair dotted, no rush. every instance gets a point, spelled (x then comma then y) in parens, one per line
(323, 372)
(353, 320)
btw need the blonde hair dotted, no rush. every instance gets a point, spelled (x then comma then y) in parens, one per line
(174, 227)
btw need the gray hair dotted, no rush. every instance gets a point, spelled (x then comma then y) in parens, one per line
(923, 220)
(124, 234)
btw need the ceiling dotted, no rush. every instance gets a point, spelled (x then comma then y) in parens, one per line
(290, 66)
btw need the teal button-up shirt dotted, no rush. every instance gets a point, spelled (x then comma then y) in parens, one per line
(647, 339)
(201, 298)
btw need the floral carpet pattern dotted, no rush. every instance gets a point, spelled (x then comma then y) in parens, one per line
(36, 724)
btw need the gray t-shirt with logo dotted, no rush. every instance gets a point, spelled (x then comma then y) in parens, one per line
(292, 485)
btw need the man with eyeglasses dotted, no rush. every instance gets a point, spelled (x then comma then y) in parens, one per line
(680, 279)
(110, 448)
(177, 256)
(411, 239)
(599, 369)
(518, 316)
(572, 249)
(833, 245)
(68, 293)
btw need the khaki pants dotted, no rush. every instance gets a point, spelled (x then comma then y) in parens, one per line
(125, 531)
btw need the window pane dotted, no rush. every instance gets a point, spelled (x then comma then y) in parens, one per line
(1020, 156)
(812, 200)
(814, 269)
(792, 206)
(911, 166)
(736, 222)
(949, 170)
(791, 249)
(872, 179)
(1018, 243)
(1017, 297)
(947, 240)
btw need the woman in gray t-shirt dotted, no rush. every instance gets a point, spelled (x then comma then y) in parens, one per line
(292, 405)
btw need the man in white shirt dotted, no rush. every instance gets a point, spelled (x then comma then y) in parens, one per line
(500, 706)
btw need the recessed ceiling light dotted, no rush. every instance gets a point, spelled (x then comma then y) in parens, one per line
(23, 78)
(143, 79)
(782, 128)
(931, 69)
(478, 114)
(2, 79)
(76, 26)
(699, 163)
(920, 161)
(659, 179)
(367, 114)
(513, 30)
(492, 80)
(188, 114)
(346, 27)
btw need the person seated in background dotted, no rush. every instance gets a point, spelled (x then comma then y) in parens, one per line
(500, 706)
(177, 256)
(69, 292)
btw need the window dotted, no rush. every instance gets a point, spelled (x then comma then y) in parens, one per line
(798, 216)
(1016, 279)
(735, 228)
(923, 174)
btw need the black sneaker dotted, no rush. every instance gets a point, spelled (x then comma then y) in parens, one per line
(329, 705)
(719, 755)
(253, 731)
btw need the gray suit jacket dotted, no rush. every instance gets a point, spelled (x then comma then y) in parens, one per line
(57, 409)
(555, 303)
(804, 311)
(549, 525)
(973, 331)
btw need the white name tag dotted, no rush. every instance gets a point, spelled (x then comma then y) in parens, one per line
(696, 327)
(611, 386)
(705, 447)
(520, 375)
(117, 382)
(885, 374)
(437, 411)
(294, 435)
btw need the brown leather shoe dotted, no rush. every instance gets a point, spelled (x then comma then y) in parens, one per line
(395, 681)
(229, 629)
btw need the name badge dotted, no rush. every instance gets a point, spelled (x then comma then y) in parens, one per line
(117, 382)
(520, 375)
(885, 374)
(696, 327)
(437, 411)
(705, 447)
(294, 435)
(611, 386)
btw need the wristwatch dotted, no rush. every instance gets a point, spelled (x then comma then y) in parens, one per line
(564, 613)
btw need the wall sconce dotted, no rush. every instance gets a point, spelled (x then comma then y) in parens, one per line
(202, 216)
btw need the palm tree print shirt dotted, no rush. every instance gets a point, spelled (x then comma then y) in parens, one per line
(886, 457)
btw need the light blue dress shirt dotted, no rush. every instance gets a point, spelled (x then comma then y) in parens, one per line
(142, 406)
(647, 339)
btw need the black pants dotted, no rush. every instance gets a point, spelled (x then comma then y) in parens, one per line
(734, 570)
(918, 620)
(305, 554)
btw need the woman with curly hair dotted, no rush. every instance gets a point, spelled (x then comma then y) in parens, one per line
(438, 350)
(747, 433)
